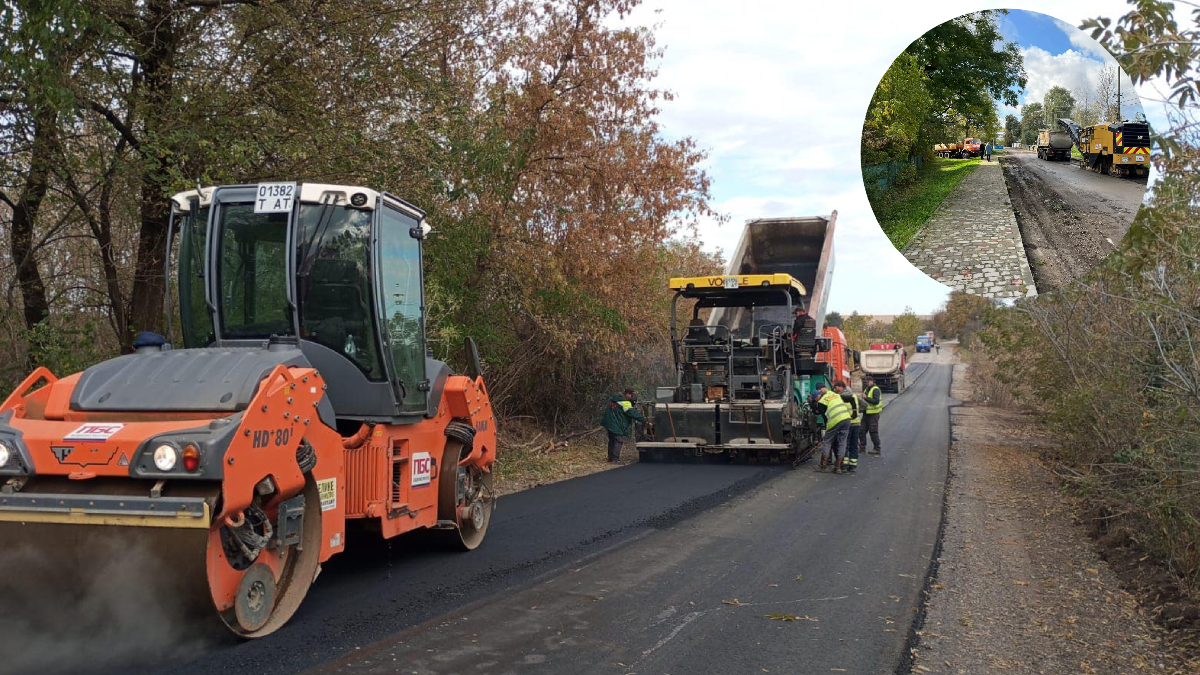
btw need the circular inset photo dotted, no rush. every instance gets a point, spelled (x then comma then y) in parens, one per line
(1005, 153)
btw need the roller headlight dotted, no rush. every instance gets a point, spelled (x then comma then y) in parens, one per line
(6, 453)
(165, 457)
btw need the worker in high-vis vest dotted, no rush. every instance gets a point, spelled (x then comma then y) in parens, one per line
(837, 413)
(870, 425)
(618, 421)
(851, 462)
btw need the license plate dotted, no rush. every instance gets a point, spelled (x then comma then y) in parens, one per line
(1140, 158)
(274, 197)
(731, 282)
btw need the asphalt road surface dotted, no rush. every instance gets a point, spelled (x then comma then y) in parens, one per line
(663, 568)
(1070, 218)
(839, 561)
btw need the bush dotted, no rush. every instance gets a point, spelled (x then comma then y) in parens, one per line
(1110, 366)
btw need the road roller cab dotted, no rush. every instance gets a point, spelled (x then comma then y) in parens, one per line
(302, 396)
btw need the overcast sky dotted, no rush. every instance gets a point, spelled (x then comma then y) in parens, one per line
(777, 91)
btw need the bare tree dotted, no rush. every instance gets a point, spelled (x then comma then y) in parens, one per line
(1106, 90)
(1087, 104)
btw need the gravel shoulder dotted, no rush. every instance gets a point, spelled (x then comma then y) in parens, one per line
(1020, 587)
(1070, 218)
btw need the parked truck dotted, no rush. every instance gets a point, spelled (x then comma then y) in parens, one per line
(1054, 145)
(886, 363)
(949, 150)
(743, 378)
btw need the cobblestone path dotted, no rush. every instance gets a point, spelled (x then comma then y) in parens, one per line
(972, 243)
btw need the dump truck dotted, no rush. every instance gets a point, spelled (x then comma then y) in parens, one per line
(972, 147)
(1054, 145)
(949, 150)
(886, 363)
(301, 399)
(743, 379)
(1120, 148)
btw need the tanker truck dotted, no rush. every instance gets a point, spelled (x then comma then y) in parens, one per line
(948, 150)
(1054, 145)
(742, 379)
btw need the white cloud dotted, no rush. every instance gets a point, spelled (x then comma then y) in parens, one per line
(1070, 69)
(776, 91)
(1083, 41)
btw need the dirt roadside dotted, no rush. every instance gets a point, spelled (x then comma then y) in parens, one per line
(1019, 586)
(1067, 227)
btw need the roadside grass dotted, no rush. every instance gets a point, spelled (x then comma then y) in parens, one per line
(1075, 152)
(526, 459)
(904, 209)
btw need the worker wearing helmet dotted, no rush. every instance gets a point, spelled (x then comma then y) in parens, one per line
(618, 421)
(873, 397)
(837, 412)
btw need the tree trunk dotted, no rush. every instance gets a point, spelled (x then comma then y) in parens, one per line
(24, 217)
(158, 45)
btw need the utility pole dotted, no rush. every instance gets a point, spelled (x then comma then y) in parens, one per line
(1119, 93)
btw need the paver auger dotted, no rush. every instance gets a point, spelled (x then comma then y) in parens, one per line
(303, 398)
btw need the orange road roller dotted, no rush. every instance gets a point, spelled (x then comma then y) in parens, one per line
(303, 397)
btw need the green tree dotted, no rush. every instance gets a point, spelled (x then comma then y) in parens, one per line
(856, 327)
(963, 315)
(834, 319)
(905, 327)
(1057, 103)
(970, 65)
(527, 130)
(1012, 129)
(898, 107)
(1032, 121)
(1150, 43)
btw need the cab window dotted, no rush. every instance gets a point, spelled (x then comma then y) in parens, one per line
(334, 288)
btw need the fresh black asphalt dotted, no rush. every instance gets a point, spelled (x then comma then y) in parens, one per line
(375, 588)
(807, 573)
(863, 539)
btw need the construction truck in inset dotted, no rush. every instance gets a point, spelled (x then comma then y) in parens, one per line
(744, 374)
(886, 362)
(1120, 148)
(302, 398)
(948, 150)
(1054, 145)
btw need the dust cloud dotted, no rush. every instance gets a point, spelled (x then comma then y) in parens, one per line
(99, 599)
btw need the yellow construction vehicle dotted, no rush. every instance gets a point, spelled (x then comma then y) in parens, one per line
(1120, 148)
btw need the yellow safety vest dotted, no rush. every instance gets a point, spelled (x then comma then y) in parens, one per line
(836, 410)
(874, 408)
(857, 419)
(626, 405)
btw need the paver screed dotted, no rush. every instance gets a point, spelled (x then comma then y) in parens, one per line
(972, 242)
